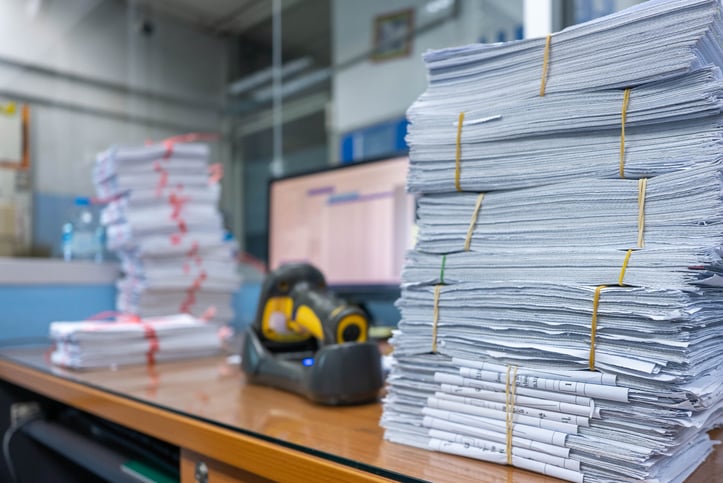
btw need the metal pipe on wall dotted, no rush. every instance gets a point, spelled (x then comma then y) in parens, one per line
(277, 165)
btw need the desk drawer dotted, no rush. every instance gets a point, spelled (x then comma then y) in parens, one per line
(216, 471)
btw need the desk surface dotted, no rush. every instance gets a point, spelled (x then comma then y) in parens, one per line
(205, 405)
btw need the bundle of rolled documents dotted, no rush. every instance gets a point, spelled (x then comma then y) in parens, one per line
(162, 220)
(561, 309)
(92, 344)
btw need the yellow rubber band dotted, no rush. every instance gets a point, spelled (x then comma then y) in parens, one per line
(458, 155)
(473, 222)
(545, 62)
(435, 317)
(624, 116)
(642, 185)
(593, 326)
(510, 386)
(625, 267)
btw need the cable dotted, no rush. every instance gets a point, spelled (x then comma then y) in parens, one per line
(9, 433)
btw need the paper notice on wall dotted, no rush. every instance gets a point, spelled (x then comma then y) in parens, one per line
(7, 184)
(7, 220)
(11, 134)
(15, 213)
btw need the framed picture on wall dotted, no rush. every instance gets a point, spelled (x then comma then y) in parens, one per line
(393, 35)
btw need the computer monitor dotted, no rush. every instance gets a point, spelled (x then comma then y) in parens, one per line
(354, 222)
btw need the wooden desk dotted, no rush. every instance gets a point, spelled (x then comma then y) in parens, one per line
(251, 433)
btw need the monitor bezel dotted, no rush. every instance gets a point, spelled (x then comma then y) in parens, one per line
(375, 291)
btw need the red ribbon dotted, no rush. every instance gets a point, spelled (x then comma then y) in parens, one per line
(168, 144)
(192, 137)
(162, 178)
(177, 201)
(208, 314)
(215, 171)
(148, 331)
(193, 252)
(191, 292)
(112, 314)
(153, 346)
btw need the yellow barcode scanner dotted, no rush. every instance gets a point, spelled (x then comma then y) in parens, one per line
(307, 340)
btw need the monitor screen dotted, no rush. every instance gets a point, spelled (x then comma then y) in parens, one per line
(354, 222)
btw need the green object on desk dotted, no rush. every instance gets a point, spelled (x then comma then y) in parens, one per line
(147, 473)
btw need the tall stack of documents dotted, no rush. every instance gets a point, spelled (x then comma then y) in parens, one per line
(162, 220)
(561, 309)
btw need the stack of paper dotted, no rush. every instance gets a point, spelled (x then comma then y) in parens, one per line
(496, 142)
(561, 309)
(680, 208)
(658, 40)
(163, 221)
(89, 344)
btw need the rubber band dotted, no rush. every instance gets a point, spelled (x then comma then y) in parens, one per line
(545, 63)
(625, 267)
(458, 155)
(642, 185)
(441, 270)
(510, 386)
(593, 325)
(435, 317)
(623, 117)
(473, 221)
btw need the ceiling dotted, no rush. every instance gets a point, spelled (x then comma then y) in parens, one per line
(231, 16)
(306, 25)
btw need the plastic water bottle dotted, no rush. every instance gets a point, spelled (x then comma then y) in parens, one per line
(83, 236)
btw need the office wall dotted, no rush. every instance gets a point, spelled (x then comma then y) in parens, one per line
(94, 79)
(584, 10)
(367, 92)
(100, 40)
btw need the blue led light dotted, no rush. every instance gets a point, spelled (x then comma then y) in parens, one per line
(309, 361)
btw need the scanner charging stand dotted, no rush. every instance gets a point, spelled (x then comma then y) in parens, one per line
(338, 374)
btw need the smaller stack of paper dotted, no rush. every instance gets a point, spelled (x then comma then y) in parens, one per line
(163, 221)
(89, 344)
